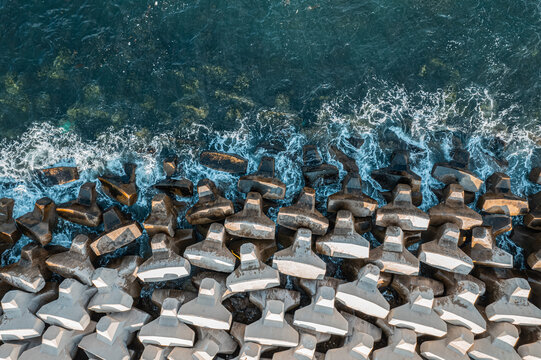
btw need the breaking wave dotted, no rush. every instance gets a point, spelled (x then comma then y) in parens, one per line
(428, 124)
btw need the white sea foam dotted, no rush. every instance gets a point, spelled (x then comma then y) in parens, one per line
(387, 117)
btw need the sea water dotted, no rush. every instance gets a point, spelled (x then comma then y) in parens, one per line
(98, 83)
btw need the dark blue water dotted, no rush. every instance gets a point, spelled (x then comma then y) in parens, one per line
(97, 83)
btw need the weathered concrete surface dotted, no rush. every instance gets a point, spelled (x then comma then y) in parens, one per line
(305, 350)
(76, 262)
(314, 170)
(299, 260)
(499, 200)
(498, 345)
(454, 210)
(9, 233)
(263, 181)
(400, 346)
(401, 212)
(399, 172)
(163, 216)
(392, 256)
(252, 274)
(40, 223)
(207, 309)
(121, 188)
(210, 207)
(344, 241)
(458, 307)
(251, 222)
(272, 329)
(454, 346)
(444, 253)
(167, 329)
(30, 273)
(83, 210)
(483, 250)
(321, 315)
(303, 214)
(70, 309)
(418, 314)
(351, 198)
(110, 298)
(363, 295)
(211, 253)
(114, 333)
(18, 321)
(118, 231)
(58, 343)
(165, 264)
(512, 303)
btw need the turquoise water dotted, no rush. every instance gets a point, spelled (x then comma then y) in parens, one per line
(97, 83)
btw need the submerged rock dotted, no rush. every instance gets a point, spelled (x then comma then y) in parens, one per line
(59, 175)
(230, 163)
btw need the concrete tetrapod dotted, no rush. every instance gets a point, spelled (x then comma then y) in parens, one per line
(211, 253)
(399, 172)
(263, 181)
(363, 295)
(272, 329)
(110, 297)
(483, 250)
(167, 329)
(249, 351)
(251, 222)
(76, 262)
(531, 350)
(314, 170)
(252, 274)
(454, 210)
(121, 188)
(154, 352)
(321, 315)
(498, 345)
(401, 212)
(58, 343)
(114, 333)
(303, 214)
(444, 253)
(454, 346)
(39, 224)
(499, 200)
(83, 210)
(9, 233)
(458, 307)
(30, 273)
(163, 216)
(299, 260)
(69, 310)
(352, 198)
(210, 207)
(392, 256)
(456, 172)
(165, 264)
(418, 314)
(210, 343)
(207, 310)
(290, 298)
(344, 241)
(305, 350)
(512, 304)
(118, 230)
(18, 321)
(357, 347)
(401, 345)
